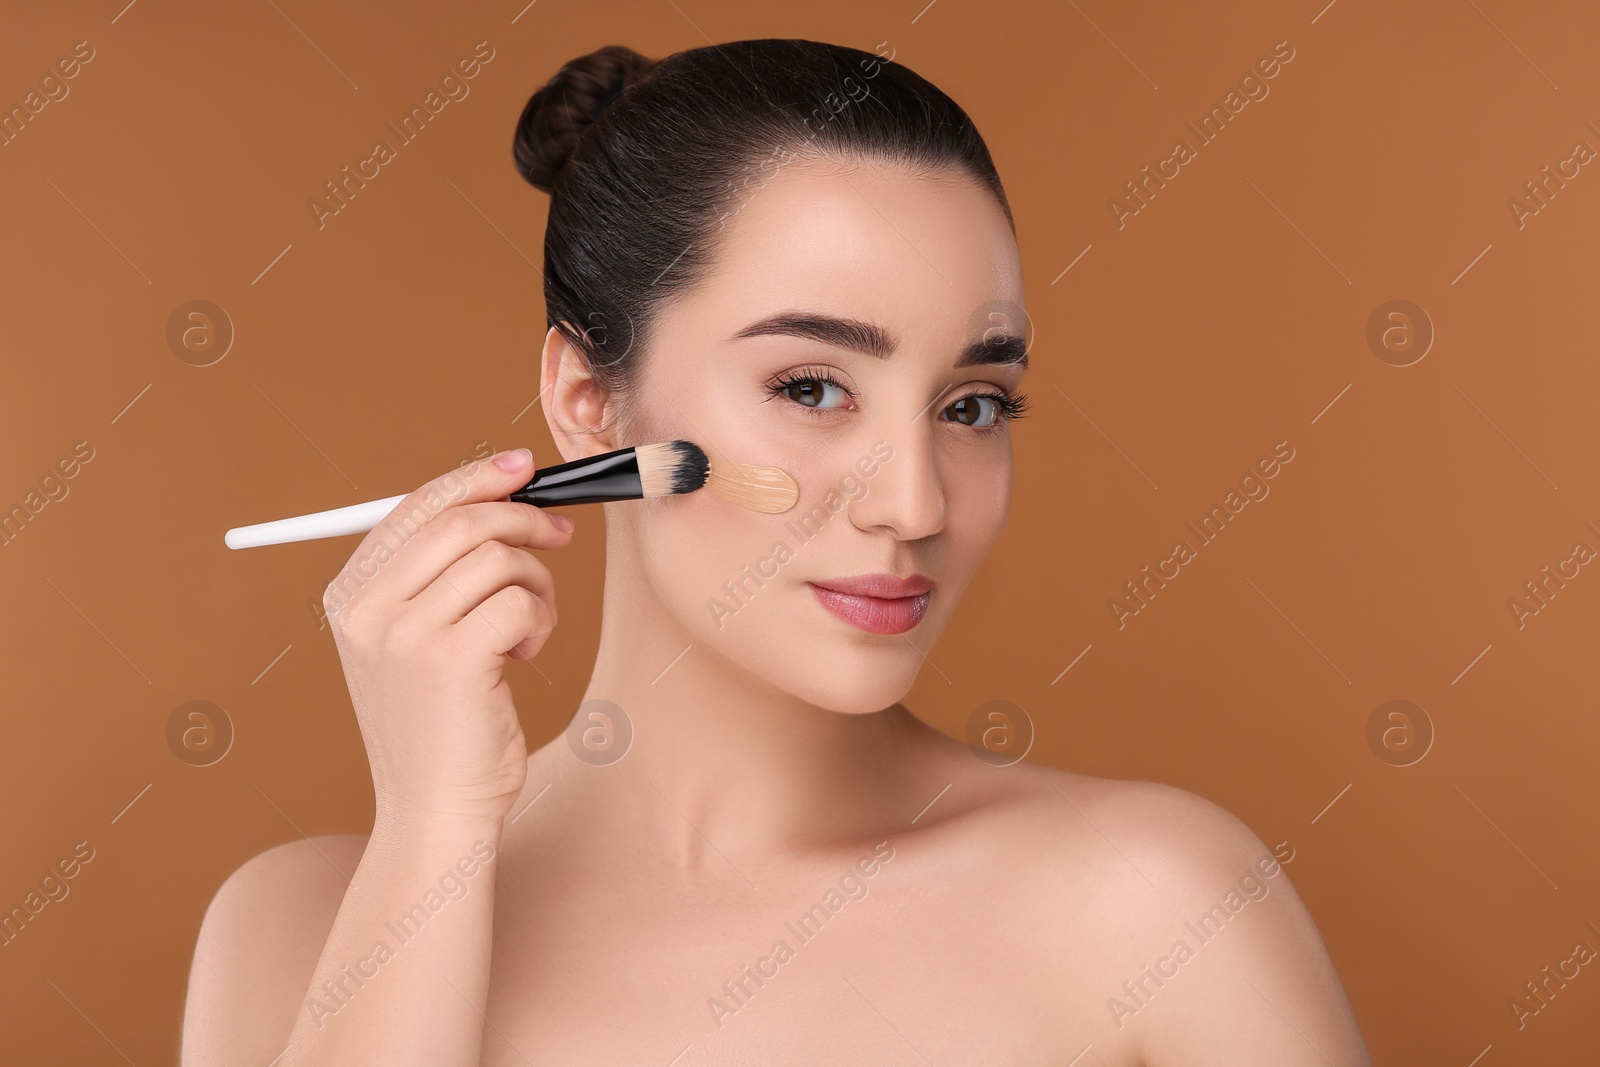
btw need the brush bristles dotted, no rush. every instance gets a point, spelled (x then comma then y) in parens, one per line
(671, 468)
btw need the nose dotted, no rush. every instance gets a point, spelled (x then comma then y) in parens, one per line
(906, 498)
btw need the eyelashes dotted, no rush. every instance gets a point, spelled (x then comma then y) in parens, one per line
(1011, 407)
(810, 388)
(803, 381)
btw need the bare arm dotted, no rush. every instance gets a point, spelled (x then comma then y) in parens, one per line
(393, 968)
(1253, 982)
(410, 936)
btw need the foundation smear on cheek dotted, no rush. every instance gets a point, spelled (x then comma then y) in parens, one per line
(765, 489)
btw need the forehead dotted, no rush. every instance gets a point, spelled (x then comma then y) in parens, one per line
(920, 255)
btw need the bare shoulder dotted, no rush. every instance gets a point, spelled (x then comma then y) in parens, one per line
(259, 943)
(1145, 825)
(1175, 831)
(1214, 958)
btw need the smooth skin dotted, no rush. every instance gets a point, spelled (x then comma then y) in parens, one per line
(566, 910)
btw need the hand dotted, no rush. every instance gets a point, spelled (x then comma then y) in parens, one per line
(423, 615)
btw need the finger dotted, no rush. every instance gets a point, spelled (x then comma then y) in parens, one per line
(473, 482)
(514, 618)
(454, 534)
(427, 552)
(477, 576)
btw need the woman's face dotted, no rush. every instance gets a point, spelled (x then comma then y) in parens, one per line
(894, 424)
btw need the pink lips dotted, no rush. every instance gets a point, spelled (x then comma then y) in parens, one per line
(876, 603)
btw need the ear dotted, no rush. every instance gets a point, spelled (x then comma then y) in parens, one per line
(578, 409)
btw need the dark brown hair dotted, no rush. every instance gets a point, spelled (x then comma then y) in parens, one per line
(644, 160)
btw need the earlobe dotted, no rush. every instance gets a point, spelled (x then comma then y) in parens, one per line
(577, 407)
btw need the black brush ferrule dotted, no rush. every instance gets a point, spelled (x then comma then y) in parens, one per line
(595, 480)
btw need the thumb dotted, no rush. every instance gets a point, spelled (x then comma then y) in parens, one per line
(518, 461)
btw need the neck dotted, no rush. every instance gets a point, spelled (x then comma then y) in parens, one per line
(724, 767)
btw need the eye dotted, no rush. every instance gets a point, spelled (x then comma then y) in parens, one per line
(986, 411)
(811, 389)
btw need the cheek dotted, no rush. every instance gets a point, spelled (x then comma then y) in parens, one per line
(693, 544)
(977, 497)
(734, 578)
(980, 485)
(700, 541)
(717, 571)
(697, 542)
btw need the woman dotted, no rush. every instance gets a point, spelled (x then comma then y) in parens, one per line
(746, 851)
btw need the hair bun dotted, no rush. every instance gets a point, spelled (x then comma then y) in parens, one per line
(558, 115)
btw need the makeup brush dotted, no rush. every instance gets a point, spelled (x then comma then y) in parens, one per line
(669, 469)
(660, 470)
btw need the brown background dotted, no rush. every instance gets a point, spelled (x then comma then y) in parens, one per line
(1229, 314)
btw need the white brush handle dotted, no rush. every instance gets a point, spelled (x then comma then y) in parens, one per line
(357, 518)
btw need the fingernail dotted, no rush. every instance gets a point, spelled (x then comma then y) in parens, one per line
(515, 460)
(562, 523)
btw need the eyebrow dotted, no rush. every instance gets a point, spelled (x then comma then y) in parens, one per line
(997, 349)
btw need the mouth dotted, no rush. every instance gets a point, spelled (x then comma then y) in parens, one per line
(876, 603)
